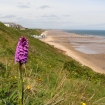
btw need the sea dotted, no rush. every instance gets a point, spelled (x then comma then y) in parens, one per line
(87, 32)
(95, 45)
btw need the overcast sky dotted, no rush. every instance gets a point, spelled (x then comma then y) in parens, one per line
(54, 14)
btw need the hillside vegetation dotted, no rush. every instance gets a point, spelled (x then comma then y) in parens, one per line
(49, 77)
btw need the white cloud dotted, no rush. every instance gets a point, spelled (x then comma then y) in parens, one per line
(44, 6)
(23, 6)
(8, 16)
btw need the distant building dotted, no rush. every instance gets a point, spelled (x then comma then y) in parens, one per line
(6, 24)
(14, 25)
(38, 36)
(42, 35)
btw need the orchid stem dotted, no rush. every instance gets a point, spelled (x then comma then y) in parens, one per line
(20, 85)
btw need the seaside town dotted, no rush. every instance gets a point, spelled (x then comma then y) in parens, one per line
(14, 25)
(17, 26)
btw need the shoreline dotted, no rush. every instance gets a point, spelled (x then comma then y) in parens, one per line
(94, 61)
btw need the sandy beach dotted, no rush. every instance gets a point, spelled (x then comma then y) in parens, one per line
(65, 42)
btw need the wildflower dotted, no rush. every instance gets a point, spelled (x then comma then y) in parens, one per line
(39, 79)
(21, 54)
(83, 103)
(15, 77)
(28, 87)
(23, 80)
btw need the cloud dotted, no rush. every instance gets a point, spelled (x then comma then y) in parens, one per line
(21, 3)
(23, 6)
(52, 15)
(67, 22)
(101, 24)
(66, 15)
(19, 18)
(8, 16)
(44, 7)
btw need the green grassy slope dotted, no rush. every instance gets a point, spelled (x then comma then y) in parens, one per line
(49, 77)
(32, 31)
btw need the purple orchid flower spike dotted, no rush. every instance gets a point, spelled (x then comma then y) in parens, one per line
(21, 54)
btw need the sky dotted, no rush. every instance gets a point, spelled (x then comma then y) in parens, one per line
(54, 14)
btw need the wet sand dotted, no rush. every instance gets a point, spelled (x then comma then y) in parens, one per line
(68, 42)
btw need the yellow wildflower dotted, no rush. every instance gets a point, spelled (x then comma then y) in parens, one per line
(40, 79)
(23, 80)
(28, 87)
(83, 103)
(15, 77)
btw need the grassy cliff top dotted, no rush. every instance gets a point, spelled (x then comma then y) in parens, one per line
(49, 77)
